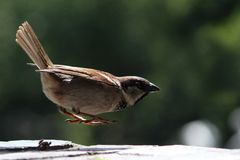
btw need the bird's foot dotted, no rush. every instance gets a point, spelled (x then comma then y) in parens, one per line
(98, 121)
(90, 122)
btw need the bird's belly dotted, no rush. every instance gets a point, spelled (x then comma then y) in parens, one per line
(91, 102)
(86, 97)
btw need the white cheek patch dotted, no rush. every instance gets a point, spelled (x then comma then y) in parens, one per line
(132, 95)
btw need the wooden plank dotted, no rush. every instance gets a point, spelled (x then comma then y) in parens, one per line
(58, 149)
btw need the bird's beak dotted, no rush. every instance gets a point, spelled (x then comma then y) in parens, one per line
(153, 88)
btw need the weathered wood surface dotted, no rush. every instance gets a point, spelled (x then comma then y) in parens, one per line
(55, 149)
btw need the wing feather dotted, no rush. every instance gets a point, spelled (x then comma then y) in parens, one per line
(86, 73)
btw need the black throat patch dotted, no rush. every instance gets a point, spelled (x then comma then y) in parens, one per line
(120, 106)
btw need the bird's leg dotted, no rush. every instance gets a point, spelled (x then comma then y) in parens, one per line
(76, 117)
(79, 119)
(95, 120)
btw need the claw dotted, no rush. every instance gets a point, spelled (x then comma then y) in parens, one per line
(98, 121)
(72, 121)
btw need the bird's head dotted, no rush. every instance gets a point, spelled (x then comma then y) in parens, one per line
(135, 88)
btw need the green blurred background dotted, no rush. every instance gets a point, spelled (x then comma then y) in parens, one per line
(190, 48)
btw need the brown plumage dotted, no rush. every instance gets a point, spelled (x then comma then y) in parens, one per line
(83, 91)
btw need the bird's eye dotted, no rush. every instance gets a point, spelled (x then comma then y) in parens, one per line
(137, 83)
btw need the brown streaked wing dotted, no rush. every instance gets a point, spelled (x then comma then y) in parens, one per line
(87, 73)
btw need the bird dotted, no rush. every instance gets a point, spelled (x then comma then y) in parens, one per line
(82, 93)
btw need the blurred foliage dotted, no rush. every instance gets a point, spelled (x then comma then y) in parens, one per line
(190, 48)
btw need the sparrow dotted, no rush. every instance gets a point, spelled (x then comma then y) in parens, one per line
(82, 92)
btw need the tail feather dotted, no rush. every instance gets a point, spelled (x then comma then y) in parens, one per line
(29, 42)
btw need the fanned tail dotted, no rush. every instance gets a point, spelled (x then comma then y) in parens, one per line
(29, 42)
